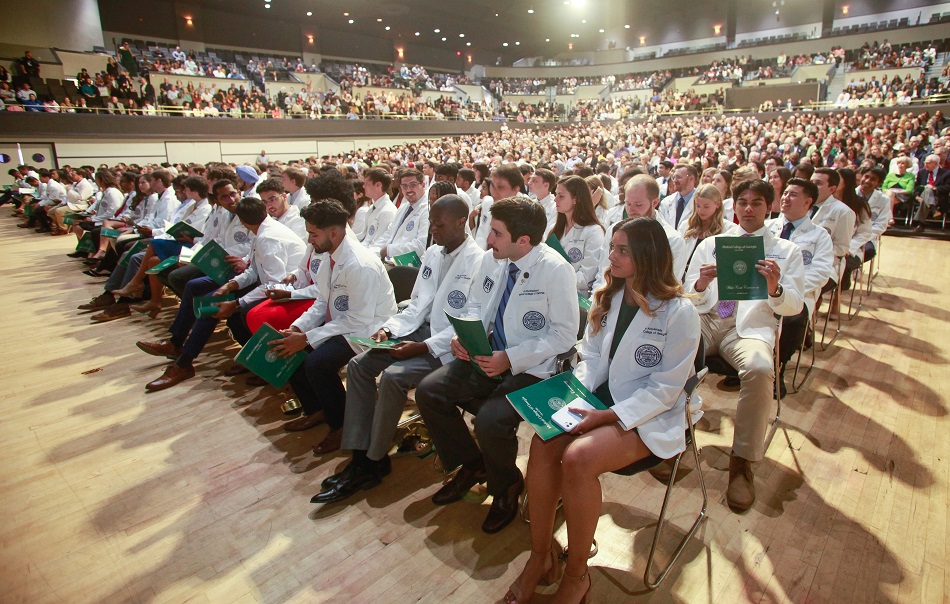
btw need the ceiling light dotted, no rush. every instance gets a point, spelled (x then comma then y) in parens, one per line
(443, 39)
(418, 34)
(437, 30)
(351, 21)
(309, 14)
(517, 43)
(267, 6)
(504, 44)
(600, 30)
(468, 43)
(530, 11)
(547, 39)
(379, 20)
(626, 27)
(388, 28)
(583, 20)
(461, 35)
(346, 14)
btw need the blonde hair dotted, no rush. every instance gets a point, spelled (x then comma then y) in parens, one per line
(694, 228)
(594, 183)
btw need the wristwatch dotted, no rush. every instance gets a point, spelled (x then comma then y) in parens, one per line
(386, 330)
(778, 292)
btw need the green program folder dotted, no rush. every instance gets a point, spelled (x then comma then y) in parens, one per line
(738, 278)
(164, 264)
(584, 302)
(370, 343)
(207, 306)
(139, 246)
(538, 402)
(553, 243)
(211, 259)
(86, 244)
(106, 232)
(257, 356)
(410, 259)
(183, 228)
(471, 334)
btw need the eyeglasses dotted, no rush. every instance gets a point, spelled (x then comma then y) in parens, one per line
(415, 184)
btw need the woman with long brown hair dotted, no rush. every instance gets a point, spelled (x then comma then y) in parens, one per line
(707, 220)
(577, 229)
(636, 355)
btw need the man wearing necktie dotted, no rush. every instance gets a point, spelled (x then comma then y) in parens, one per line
(520, 296)
(932, 188)
(743, 332)
(818, 256)
(678, 207)
(410, 224)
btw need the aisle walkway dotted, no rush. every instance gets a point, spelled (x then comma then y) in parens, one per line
(197, 494)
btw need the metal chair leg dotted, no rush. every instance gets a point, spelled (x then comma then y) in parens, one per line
(776, 388)
(796, 385)
(825, 343)
(857, 278)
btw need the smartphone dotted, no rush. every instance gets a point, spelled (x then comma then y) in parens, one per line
(566, 419)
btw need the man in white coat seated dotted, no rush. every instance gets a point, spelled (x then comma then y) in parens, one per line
(678, 207)
(641, 194)
(376, 184)
(818, 256)
(743, 333)
(410, 225)
(524, 296)
(354, 297)
(869, 187)
(424, 334)
(834, 216)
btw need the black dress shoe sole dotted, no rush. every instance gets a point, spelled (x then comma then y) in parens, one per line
(331, 481)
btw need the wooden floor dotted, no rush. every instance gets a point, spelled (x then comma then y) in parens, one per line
(197, 494)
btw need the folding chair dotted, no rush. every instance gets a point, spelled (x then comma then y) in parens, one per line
(796, 385)
(652, 461)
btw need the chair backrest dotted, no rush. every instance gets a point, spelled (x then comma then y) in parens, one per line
(403, 279)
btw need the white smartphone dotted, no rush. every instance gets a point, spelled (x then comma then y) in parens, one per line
(566, 419)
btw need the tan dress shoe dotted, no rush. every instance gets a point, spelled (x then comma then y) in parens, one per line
(741, 491)
(120, 310)
(304, 422)
(162, 348)
(330, 443)
(173, 375)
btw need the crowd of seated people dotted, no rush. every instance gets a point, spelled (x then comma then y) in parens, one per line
(637, 207)
(890, 93)
(656, 80)
(415, 78)
(884, 55)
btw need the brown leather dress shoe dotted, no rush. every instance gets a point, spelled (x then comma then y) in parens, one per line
(163, 348)
(173, 375)
(741, 491)
(111, 313)
(305, 422)
(235, 369)
(330, 443)
(103, 300)
(504, 508)
(459, 485)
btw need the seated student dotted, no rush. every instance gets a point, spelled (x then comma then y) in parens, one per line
(222, 227)
(479, 221)
(862, 223)
(578, 230)
(519, 292)
(835, 217)
(707, 220)
(407, 231)
(157, 215)
(465, 181)
(442, 286)
(119, 222)
(541, 184)
(376, 184)
(641, 194)
(637, 353)
(679, 206)
(743, 333)
(103, 209)
(79, 194)
(881, 216)
(438, 190)
(600, 197)
(53, 194)
(271, 192)
(293, 179)
(818, 256)
(354, 297)
(195, 213)
(274, 249)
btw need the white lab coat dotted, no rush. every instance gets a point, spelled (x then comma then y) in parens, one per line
(838, 219)
(542, 316)
(550, 211)
(431, 300)
(299, 199)
(226, 229)
(79, 195)
(409, 235)
(355, 298)
(54, 194)
(379, 217)
(295, 222)
(107, 206)
(652, 363)
(483, 227)
(818, 255)
(275, 251)
(754, 318)
(677, 246)
(728, 228)
(194, 213)
(159, 212)
(584, 245)
(668, 208)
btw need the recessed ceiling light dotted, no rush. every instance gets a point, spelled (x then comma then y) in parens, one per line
(468, 43)
(418, 34)
(504, 44)
(267, 6)
(626, 27)
(600, 30)
(547, 39)
(461, 35)
(379, 20)
(388, 28)
(517, 43)
(437, 30)
(346, 14)
(351, 21)
(583, 20)
(530, 11)
(443, 39)
(309, 14)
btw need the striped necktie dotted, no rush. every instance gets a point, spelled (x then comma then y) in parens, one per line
(498, 339)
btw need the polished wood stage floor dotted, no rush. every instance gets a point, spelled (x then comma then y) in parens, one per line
(197, 494)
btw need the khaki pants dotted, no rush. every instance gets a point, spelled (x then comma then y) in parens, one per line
(753, 360)
(57, 215)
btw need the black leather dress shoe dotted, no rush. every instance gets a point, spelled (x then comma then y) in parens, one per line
(384, 466)
(504, 508)
(461, 483)
(350, 482)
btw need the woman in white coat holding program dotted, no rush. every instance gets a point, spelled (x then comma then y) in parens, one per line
(637, 353)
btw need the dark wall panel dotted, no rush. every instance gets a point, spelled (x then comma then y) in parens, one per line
(144, 18)
(860, 8)
(750, 97)
(233, 29)
(339, 44)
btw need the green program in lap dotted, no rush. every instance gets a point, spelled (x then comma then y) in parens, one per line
(538, 402)
(259, 358)
(738, 278)
(211, 259)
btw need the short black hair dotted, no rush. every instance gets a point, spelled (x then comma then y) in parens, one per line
(251, 210)
(332, 185)
(271, 184)
(756, 185)
(198, 184)
(468, 175)
(447, 170)
(809, 188)
(452, 205)
(326, 213)
(521, 216)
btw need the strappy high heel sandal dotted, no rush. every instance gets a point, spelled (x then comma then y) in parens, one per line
(518, 594)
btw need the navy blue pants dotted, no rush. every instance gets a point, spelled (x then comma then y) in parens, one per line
(320, 373)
